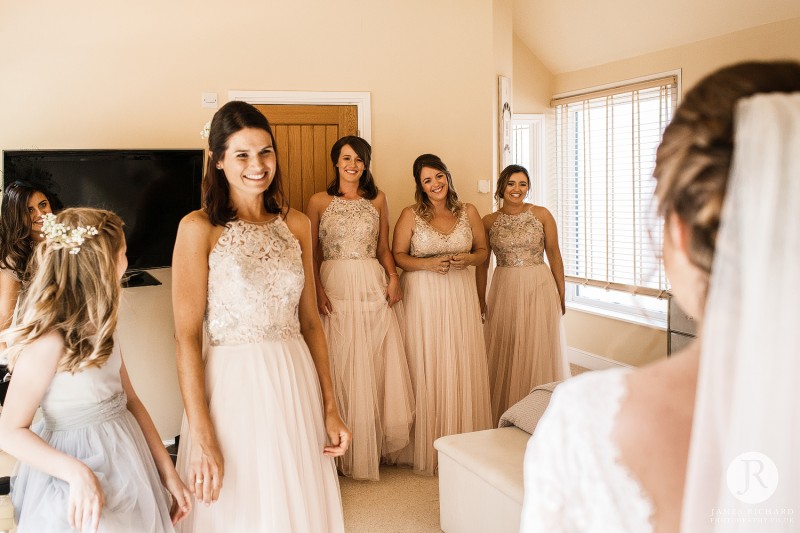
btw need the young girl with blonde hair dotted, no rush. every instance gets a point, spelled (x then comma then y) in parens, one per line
(97, 463)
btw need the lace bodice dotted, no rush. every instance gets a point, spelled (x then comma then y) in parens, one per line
(348, 229)
(427, 241)
(255, 278)
(573, 478)
(517, 240)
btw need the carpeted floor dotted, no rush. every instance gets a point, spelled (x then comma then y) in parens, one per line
(401, 502)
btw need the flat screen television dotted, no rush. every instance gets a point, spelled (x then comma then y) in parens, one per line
(151, 190)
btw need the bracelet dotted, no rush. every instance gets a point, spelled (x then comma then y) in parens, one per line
(394, 274)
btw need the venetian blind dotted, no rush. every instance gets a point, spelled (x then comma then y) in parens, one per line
(605, 145)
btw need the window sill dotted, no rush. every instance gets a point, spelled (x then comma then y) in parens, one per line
(654, 322)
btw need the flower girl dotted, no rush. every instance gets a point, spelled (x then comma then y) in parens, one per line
(97, 463)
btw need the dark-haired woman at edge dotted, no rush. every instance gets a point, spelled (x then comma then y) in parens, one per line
(358, 292)
(435, 241)
(24, 204)
(261, 426)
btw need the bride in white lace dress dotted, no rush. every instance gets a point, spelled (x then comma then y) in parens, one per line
(611, 452)
(261, 426)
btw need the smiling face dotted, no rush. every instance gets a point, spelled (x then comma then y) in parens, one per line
(434, 184)
(350, 165)
(38, 206)
(516, 189)
(249, 162)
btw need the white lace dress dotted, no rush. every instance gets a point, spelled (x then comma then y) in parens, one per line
(263, 392)
(573, 480)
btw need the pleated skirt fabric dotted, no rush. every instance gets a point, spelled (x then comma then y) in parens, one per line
(368, 365)
(447, 360)
(266, 407)
(524, 334)
(115, 449)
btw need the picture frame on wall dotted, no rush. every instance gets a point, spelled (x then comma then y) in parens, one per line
(504, 115)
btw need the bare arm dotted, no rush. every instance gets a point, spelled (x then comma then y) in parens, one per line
(553, 252)
(189, 288)
(384, 254)
(480, 252)
(482, 270)
(311, 328)
(182, 502)
(33, 373)
(401, 247)
(9, 294)
(316, 206)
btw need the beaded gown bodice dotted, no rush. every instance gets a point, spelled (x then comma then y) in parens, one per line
(517, 240)
(427, 241)
(348, 229)
(255, 278)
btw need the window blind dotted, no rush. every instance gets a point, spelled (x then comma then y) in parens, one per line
(605, 144)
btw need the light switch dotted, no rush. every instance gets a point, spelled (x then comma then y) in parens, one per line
(484, 186)
(208, 100)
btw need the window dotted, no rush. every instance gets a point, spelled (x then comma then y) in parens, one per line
(527, 142)
(605, 143)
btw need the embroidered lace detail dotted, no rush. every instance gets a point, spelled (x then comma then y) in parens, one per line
(427, 241)
(573, 478)
(348, 229)
(517, 240)
(255, 277)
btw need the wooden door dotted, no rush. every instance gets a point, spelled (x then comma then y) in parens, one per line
(304, 135)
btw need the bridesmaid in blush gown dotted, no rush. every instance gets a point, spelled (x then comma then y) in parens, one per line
(524, 337)
(261, 427)
(358, 295)
(434, 243)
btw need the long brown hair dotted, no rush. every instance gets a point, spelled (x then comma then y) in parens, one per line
(16, 244)
(363, 150)
(75, 294)
(229, 119)
(424, 208)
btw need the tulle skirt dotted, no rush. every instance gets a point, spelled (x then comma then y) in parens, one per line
(524, 336)
(447, 360)
(266, 407)
(368, 365)
(110, 442)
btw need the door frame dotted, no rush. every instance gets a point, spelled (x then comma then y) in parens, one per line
(362, 101)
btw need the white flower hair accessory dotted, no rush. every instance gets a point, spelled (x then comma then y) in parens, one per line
(66, 236)
(206, 131)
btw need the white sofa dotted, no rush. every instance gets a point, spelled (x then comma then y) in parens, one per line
(480, 480)
(480, 473)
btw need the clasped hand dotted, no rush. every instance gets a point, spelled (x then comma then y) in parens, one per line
(443, 263)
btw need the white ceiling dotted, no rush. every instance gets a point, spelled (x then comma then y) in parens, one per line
(569, 35)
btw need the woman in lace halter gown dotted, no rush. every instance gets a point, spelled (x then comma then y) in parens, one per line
(434, 243)
(96, 460)
(261, 425)
(358, 293)
(524, 339)
(612, 452)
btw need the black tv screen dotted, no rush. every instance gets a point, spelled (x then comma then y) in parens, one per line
(151, 190)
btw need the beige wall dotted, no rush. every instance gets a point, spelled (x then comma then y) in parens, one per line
(770, 41)
(533, 83)
(98, 74)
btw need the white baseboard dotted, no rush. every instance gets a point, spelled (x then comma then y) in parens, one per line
(591, 361)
